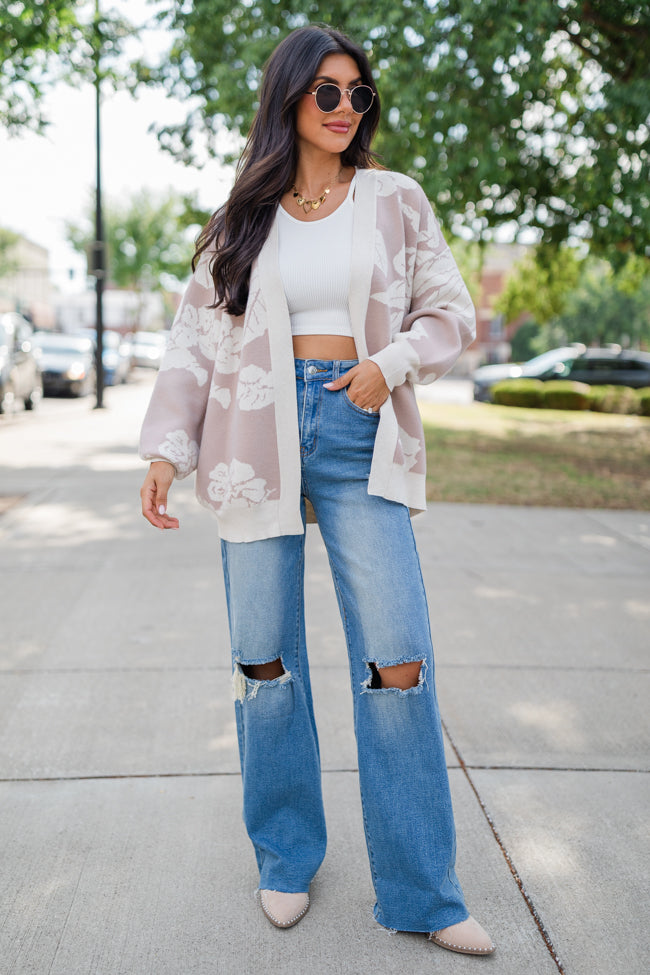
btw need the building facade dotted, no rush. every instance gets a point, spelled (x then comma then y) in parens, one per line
(26, 286)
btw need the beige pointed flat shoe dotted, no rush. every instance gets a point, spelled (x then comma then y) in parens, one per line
(284, 910)
(468, 938)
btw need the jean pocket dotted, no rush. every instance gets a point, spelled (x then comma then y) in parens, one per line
(372, 415)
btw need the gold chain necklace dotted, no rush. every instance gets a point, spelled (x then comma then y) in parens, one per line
(309, 205)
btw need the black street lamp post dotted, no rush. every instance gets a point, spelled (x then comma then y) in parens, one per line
(98, 269)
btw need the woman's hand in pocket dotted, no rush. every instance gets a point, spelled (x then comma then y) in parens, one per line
(365, 384)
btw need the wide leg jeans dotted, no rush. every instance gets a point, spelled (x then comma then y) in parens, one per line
(407, 812)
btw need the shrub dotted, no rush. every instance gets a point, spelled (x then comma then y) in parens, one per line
(518, 392)
(613, 399)
(562, 394)
(643, 401)
(599, 398)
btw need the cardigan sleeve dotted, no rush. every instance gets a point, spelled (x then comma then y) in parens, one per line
(173, 423)
(440, 322)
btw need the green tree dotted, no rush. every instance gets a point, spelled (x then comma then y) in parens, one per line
(527, 342)
(572, 299)
(540, 284)
(46, 41)
(607, 307)
(8, 241)
(149, 239)
(32, 36)
(530, 115)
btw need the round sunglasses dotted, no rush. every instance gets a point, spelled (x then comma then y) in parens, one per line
(328, 97)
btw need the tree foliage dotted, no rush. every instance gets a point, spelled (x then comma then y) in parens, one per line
(31, 34)
(540, 284)
(533, 115)
(8, 260)
(527, 342)
(608, 307)
(45, 41)
(577, 300)
(149, 239)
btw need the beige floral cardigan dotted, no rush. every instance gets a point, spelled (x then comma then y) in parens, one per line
(224, 402)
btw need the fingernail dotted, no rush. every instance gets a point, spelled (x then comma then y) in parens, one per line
(162, 509)
(327, 385)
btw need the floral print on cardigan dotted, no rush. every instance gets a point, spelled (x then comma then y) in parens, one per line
(224, 402)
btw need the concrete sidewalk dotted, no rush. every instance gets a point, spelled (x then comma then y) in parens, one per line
(123, 851)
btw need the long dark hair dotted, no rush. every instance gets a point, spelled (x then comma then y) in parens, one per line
(267, 166)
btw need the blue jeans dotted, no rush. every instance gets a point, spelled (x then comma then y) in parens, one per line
(407, 811)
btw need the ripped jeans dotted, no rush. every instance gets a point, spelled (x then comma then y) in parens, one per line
(407, 811)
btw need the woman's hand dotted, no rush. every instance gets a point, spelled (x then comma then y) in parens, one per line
(154, 494)
(366, 386)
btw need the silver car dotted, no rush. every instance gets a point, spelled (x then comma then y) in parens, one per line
(67, 363)
(148, 349)
(20, 374)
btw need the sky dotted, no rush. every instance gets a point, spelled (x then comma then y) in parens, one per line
(47, 180)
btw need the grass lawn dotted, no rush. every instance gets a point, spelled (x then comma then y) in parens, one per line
(490, 454)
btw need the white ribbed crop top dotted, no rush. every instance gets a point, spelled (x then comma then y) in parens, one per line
(315, 260)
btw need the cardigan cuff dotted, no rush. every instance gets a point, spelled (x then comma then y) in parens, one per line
(391, 361)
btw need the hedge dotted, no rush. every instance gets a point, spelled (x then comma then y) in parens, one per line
(614, 399)
(643, 401)
(518, 392)
(563, 394)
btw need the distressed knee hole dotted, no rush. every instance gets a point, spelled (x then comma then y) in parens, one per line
(404, 676)
(268, 671)
(248, 678)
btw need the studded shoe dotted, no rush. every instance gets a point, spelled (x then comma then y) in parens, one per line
(468, 938)
(284, 910)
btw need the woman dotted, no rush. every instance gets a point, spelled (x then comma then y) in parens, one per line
(321, 291)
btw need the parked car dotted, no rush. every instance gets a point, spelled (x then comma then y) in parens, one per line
(148, 349)
(67, 363)
(20, 374)
(116, 358)
(610, 367)
(117, 355)
(549, 365)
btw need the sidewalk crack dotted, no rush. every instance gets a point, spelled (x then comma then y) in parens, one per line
(513, 870)
(69, 911)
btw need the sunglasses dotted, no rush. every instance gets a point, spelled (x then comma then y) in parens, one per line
(328, 97)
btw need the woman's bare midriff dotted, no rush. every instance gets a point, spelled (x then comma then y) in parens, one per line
(324, 347)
